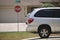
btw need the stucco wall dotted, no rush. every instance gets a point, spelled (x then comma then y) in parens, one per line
(8, 14)
(7, 2)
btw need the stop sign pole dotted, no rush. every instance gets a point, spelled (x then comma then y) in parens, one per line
(17, 9)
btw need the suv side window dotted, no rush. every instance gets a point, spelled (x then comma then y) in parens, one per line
(57, 13)
(53, 13)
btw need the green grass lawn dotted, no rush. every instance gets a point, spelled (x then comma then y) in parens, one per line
(16, 35)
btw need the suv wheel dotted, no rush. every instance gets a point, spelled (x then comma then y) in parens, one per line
(44, 32)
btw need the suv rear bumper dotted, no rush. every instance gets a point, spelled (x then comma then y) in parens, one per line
(32, 28)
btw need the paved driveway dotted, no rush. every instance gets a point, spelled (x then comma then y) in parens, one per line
(52, 37)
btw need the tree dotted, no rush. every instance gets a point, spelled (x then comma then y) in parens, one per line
(48, 5)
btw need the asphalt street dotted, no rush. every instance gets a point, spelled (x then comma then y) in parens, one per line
(52, 37)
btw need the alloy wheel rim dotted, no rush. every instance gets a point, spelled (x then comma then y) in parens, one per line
(44, 32)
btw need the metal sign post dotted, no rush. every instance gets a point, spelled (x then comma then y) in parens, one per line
(17, 9)
(18, 21)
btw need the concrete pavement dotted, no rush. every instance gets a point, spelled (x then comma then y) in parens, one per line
(38, 38)
(52, 37)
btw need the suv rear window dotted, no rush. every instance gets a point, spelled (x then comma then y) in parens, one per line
(55, 13)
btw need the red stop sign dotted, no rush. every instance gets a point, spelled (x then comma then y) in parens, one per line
(17, 8)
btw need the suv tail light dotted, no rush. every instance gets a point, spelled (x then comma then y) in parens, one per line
(30, 20)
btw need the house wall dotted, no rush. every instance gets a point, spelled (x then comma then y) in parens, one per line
(8, 14)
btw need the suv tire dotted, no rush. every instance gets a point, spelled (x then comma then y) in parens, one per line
(44, 31)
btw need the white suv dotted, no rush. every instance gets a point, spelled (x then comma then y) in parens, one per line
(44, 21)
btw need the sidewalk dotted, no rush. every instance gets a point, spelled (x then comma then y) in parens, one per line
(12, 27)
